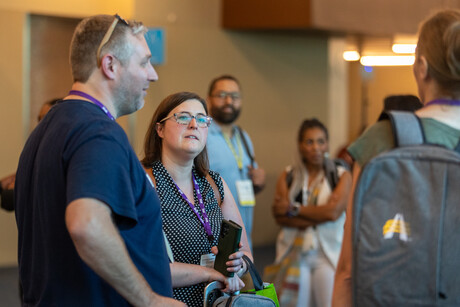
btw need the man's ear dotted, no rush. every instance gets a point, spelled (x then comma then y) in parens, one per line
(159, 128)
(109, 66)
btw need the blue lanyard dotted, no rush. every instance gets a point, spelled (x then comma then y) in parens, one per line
(96, 102)
(204, 221)
(445, 102)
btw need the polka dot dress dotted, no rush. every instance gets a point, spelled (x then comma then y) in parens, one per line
(184, 231)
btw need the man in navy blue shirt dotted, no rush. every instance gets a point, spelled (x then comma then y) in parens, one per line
(88, 218)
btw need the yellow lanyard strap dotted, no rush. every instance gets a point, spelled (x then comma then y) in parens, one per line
(239, 156)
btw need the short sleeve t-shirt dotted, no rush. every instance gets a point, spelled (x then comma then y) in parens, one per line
(379, 138)
(78, 152)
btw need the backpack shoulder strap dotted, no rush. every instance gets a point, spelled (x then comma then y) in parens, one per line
(214, 188)
(149, 172)
(407, 128)
(246, 146)
(289, 176)
(331, 173)
(457, 148)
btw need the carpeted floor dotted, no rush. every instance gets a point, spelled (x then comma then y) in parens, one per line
(9, 287)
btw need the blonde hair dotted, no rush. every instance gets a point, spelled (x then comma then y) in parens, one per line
(439, 43)
(87, 38)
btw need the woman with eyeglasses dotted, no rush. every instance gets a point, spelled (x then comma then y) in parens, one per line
(309, 204)
(194, 199)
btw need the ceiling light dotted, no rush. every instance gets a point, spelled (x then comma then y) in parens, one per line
(351, 56)
(387, 60)
(404, 48)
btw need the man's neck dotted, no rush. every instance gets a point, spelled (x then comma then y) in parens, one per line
(95, 92)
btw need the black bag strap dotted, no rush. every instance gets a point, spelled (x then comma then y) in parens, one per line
(256, 279)
(289, 177)
(149, 172)
(406, 126)
(330, 171)
(246, 146)
(457, 148)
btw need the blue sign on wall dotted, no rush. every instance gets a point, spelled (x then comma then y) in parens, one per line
(155, 38)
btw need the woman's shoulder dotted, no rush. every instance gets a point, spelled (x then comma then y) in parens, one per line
(375, 140)
(160, 174)
(215, 181)
(440, 133)
(215, 175)
(379, 138)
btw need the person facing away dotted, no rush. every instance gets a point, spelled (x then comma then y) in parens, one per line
(230, 149)
(194, 199)
(311, 213)
(436, 71)
(88, 219)
(7, 183)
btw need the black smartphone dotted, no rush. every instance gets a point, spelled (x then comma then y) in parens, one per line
(229, 241)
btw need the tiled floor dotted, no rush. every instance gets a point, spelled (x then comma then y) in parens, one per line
(9, 293)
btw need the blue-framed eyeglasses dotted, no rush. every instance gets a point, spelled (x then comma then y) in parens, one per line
(184, 118)
(107, 36)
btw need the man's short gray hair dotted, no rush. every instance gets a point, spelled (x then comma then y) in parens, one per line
(87, 38)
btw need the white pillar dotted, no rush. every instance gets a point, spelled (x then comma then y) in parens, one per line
(337, 113)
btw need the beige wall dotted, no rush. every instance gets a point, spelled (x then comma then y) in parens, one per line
(50, 75)
(13, 86)
(368, 94)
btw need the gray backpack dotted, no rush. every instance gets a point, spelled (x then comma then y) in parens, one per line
(244, 300)
(406, 229)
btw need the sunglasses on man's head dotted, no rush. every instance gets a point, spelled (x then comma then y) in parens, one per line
(107, 36)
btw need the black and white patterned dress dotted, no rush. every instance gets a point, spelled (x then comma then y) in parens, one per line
(184, 231)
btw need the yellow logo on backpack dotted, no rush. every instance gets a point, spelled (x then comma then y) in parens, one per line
(397, 225)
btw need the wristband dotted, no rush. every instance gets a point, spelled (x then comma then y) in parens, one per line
(294, 210)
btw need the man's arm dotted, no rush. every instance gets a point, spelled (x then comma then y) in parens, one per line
(342, 296)
(101, 247)
(257, 176)
(7, 192)
(280, 207)
(8, 182)
(7, 199)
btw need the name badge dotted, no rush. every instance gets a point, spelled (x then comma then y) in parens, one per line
(245, 193)
(207, 260)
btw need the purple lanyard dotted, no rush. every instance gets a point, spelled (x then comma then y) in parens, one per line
(446, 102)
(96, 102)
(204, 221)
